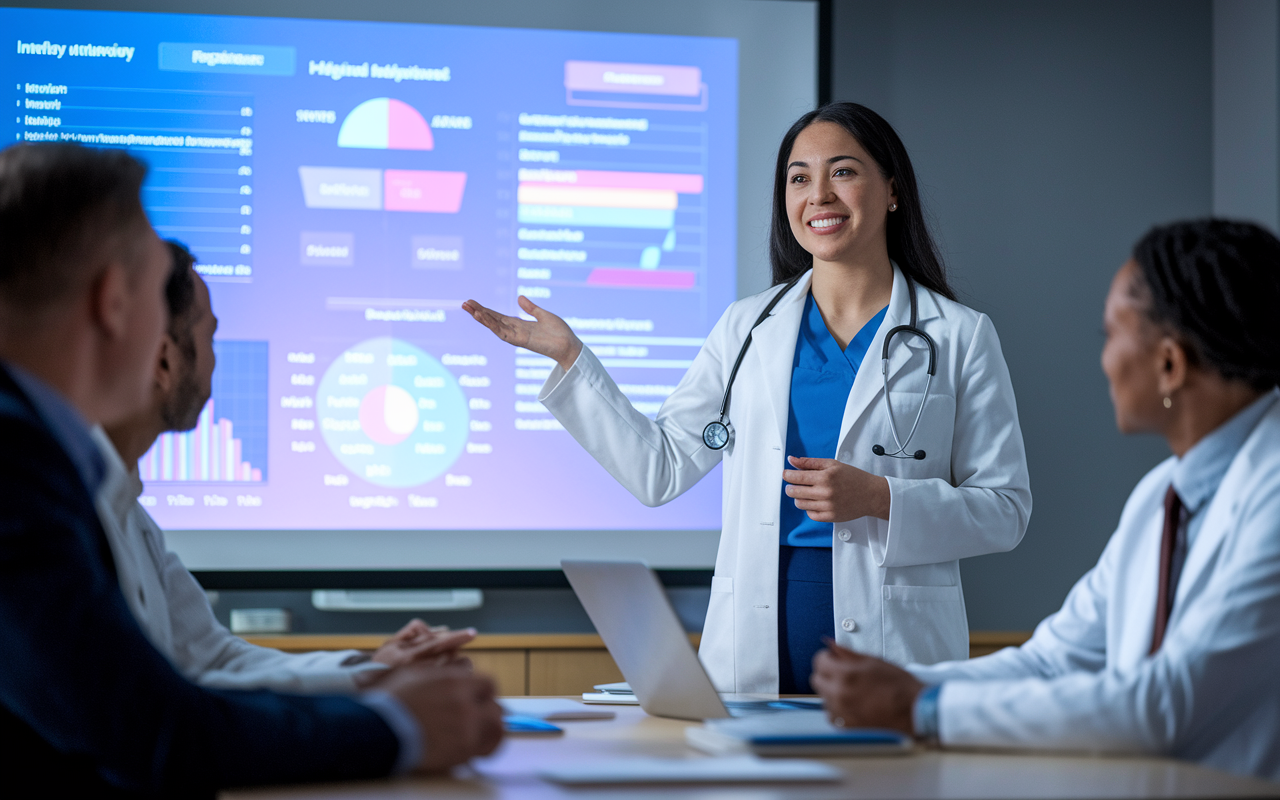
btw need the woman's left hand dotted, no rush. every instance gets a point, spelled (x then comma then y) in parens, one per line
(832, 491)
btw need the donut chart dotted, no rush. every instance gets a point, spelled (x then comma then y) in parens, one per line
(391, 413)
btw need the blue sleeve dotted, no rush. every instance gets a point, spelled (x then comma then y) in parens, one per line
(80, 684)
(924, 715)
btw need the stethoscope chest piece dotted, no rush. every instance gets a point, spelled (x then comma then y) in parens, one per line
(715, 435)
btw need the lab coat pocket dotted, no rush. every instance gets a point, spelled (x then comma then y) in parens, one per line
(716, 649)
(923, 624)
(933, 435)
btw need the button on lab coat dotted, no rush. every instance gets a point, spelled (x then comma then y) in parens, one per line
(896, 583)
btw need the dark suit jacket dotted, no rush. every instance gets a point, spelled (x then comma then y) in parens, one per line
(88, 707)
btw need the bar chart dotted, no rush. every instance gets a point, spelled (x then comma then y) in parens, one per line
(615, 219)
(229, 442)
(210, 452)
(609, 199)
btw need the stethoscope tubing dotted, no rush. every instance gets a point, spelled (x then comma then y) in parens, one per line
(716, 434)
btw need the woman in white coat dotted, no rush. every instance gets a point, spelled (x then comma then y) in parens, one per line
(834, 524)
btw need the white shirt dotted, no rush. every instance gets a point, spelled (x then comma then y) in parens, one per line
(1085, 680)
(174, 613)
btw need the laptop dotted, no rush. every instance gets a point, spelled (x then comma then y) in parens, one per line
(630, 611)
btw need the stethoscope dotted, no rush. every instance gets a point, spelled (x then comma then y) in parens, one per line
(716, 434)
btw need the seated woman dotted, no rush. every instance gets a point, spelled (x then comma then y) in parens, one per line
(1170, 644)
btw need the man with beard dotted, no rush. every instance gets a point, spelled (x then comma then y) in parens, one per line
(87, 704)
(164, 597)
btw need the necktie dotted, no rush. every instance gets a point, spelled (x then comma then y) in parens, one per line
(1169, 539)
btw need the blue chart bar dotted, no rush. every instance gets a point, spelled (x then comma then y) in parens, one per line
(240, 387)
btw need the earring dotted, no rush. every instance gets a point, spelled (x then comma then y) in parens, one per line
(1168, 402)
(893, 207)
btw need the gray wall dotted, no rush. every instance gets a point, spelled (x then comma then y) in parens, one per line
(1246, 116)
(1048, 137)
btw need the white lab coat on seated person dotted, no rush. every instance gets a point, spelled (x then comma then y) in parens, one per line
(1085, 682)
(896, 583)
(174, 613)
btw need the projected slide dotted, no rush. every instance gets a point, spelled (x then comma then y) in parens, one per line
(346, 186)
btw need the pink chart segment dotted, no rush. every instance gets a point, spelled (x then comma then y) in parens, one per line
(642, 278)
(425, 191)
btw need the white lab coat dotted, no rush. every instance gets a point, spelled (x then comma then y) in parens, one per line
(896, 583)
(174, 613)
(1085, 682)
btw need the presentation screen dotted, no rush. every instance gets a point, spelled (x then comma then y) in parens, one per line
(345, 185)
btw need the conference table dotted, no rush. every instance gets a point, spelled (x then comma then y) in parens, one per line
(512, 772)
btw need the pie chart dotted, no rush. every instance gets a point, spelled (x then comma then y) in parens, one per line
(384, 123)
(388, 414)
(391, 413)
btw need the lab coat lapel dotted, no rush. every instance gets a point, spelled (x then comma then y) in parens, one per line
(774, 345)
(1202, 557)
(869, 385)
(1203, 554)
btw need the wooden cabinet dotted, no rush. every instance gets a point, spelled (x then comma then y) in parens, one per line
(551, 663)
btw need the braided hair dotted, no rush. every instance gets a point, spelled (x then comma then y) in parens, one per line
(1216, 284)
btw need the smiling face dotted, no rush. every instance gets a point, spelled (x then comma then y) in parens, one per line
(837, 198)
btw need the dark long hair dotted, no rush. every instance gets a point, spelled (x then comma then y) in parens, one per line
(910, 244)
(1216, 284)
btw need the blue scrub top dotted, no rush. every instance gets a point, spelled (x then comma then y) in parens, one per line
(821, 378)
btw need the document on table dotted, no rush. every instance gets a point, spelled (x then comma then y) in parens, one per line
(553, 708)
(794, 733)
(727, 769)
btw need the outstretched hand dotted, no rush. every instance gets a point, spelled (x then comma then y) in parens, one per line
(548, 335)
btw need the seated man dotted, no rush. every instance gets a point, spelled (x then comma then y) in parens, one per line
(163, 596)
(87, 706)
(1170, 644)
